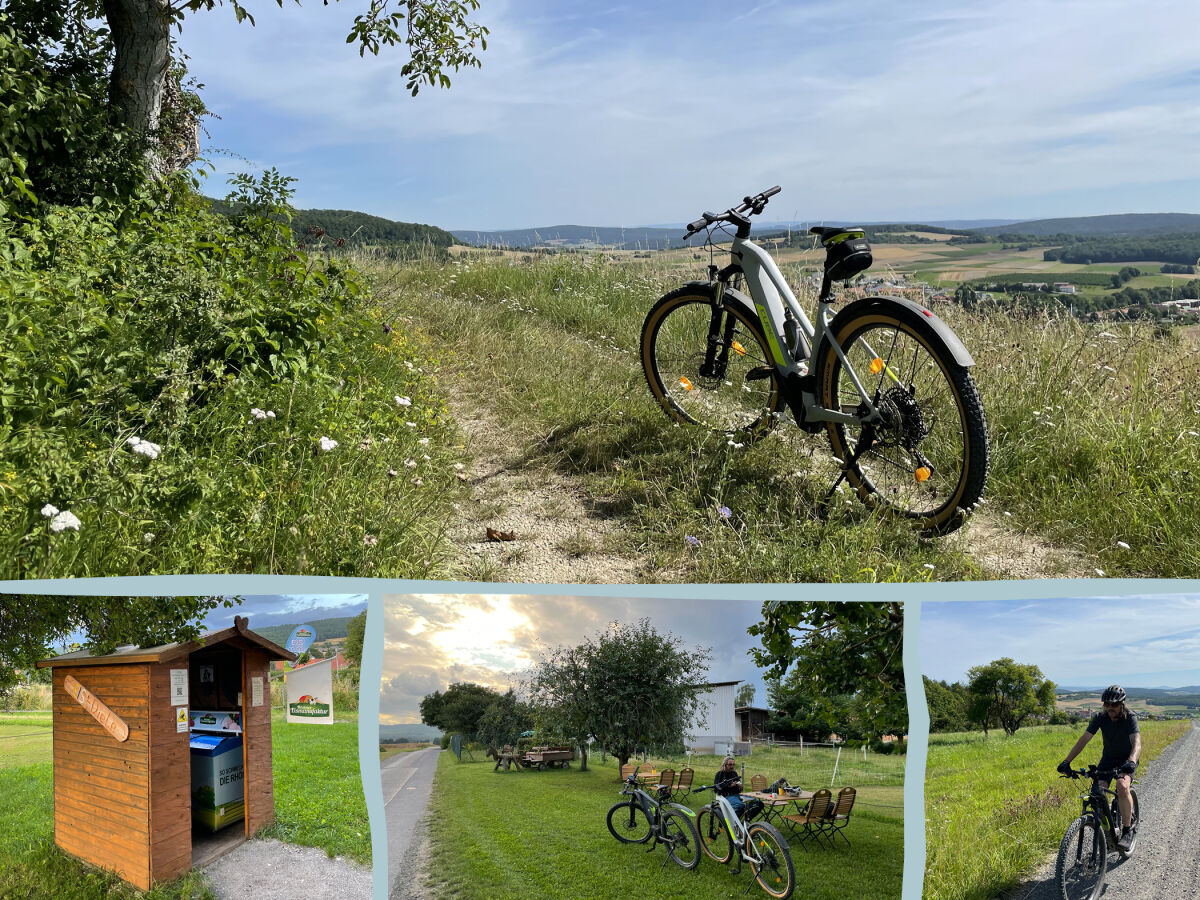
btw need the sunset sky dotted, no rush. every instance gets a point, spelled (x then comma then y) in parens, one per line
(431, 641)
(648, 113)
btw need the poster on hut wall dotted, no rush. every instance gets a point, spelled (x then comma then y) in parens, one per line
(309, 693)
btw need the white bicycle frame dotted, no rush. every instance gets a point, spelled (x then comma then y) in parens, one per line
(770, 292)
(737, 830)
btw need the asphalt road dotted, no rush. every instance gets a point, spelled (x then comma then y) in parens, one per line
(407, 782)
(1166, 861)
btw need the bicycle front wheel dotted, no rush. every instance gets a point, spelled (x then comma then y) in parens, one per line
(715, 839)
(775, 873)
(629, 823)
(728, 385)
(683, 843)
(929, 458)
(1082, 860)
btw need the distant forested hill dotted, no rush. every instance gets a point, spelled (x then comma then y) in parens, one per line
(359, 228)
(1125, 224)
(326, 629)
(576, 236)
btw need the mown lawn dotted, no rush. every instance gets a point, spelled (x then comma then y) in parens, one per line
(995, 807)
(318, 802)
(543, 834)
(24, 737)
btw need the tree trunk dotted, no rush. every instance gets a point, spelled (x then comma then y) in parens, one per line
(583, 757)
(141, 32)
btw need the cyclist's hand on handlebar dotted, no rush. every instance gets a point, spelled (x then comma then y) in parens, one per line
(1128, 767)
(1064, 768)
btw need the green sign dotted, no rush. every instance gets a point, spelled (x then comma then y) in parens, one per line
(310, 709)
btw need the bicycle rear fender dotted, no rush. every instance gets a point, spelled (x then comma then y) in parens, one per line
(683, 809)
(921, 318)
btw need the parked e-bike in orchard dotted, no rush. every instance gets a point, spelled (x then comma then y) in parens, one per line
(885, 378)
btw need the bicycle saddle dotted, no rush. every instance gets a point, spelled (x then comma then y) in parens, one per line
(826, 234)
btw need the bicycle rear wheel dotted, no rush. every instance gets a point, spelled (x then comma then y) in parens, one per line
(776, 874)
(1082, 860)
(683, 843)
(715, 839)
(731, 387)
(629, 823)
(929, 460)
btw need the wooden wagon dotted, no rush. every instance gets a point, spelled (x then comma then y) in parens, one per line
(549, 757)
(124, 723)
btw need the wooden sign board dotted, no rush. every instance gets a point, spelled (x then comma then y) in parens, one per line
(110, 720)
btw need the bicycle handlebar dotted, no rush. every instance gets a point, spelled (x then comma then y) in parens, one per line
(754, 204)
(1093, 772)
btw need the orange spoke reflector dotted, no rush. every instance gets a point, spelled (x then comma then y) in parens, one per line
(876, 366)
(687, 385)
(738, 348)
(922, 474)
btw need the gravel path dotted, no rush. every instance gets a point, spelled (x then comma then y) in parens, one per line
(1166, 863)
(272, 870)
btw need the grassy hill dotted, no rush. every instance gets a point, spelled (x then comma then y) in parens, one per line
(356, 228)
(327, 629)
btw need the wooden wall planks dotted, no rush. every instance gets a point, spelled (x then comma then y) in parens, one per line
(259, 777)
(170, 772)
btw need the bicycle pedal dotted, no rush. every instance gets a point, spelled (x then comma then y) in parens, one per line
(760, 373)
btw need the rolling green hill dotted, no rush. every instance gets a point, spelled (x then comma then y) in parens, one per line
(356, 228)
(326, 629)
(1123, 224)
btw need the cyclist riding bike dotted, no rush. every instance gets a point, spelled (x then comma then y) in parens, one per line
(1122, 738)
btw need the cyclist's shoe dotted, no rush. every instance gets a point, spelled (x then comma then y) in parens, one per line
(1126, 840)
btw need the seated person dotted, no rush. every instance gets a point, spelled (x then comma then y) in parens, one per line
(729, 785)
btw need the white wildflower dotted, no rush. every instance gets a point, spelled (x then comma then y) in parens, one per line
(458, 467)
(1122, 545)
(424, 442)
(930, 566)
(417, 482)
(145, 448)
(403, 401)
(369, 540)
(410, 464)
(64, 520)
(411, 424)
(392, 473)
(261, 414)
(408, 365)
(1099, 573)
(49, 511)
(149, 537)
(328, 443)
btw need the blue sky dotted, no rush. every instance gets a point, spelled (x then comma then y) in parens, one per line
(434, 640)
(1144, 641)
(611, 114)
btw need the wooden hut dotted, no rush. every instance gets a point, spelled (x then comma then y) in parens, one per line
(123, 727)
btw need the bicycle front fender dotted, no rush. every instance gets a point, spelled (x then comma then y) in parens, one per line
(922, 319)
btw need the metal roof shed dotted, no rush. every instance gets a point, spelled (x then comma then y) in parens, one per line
(122, 762)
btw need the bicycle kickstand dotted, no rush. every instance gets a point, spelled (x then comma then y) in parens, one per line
(866, 440)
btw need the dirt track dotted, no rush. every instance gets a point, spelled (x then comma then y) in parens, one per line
(1166, 862)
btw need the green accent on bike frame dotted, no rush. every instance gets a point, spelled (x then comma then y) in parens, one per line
(772, 338)
(844, 236)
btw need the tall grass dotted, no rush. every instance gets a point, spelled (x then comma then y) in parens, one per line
(995, 807)
(1093, 428)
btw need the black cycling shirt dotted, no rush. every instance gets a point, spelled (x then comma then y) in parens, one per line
(724, 782)
(1118, 735)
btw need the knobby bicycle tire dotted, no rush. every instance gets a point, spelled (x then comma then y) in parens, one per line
(631, 825)
(673, 345)
(715, 839)
(1082, 860)
(778, 874)
(930, 462)
(683, 843)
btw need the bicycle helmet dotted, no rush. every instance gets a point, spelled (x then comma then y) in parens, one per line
(1114, 693)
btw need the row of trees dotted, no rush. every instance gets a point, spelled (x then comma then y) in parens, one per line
(830, 667)
(1002, 694)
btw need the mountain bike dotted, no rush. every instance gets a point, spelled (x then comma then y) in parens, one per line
(759, 843)
(1083, 853)
(885, 378)
(642, 818)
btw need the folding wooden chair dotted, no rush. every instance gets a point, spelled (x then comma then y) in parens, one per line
(666, 779)
(839, 816)
(809, 824)
(627, 770)
(683, 785)
(758, 782)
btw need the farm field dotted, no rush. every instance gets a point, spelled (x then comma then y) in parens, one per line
(544, 834)
(995, 807)
(318, 803)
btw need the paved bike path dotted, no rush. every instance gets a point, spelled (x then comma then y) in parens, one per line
(407, 782)
(1166, 861)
